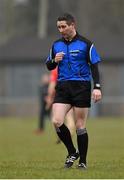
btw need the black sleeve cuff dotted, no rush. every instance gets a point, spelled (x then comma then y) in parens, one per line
(97, 86)
(95, 75)
(51, 64)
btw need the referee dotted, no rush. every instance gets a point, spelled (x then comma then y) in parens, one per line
(77, 60)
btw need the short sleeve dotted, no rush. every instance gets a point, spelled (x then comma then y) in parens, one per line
(93, 54)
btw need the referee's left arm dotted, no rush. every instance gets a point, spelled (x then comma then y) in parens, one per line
(95, 75)
(94, 61)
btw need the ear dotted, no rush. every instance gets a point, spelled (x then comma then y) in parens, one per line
(73, 25)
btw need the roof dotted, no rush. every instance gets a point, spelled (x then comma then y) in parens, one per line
(34, 48)
(25, 48)
(110, 47)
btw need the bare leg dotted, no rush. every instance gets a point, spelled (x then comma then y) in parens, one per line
(59, 112)
(70, 122)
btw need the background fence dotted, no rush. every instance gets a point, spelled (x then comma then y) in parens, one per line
(28, 28)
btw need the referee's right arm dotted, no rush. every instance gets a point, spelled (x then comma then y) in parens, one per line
(50, 62)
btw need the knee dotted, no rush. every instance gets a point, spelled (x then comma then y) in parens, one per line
(56, 122)
(80, 124)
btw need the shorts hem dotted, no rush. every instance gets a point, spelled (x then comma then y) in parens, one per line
(74, 105)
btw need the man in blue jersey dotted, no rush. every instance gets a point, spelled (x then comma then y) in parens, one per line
(77, 61)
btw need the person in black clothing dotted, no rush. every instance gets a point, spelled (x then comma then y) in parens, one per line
(77, 60)
(44, 112)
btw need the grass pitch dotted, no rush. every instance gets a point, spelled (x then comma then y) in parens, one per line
(25, 155)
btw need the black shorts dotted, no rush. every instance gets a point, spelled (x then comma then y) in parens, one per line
(76, 93)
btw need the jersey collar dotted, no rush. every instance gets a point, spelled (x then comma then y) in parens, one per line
(73, 39)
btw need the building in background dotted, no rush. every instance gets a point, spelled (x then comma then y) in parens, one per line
(27, 30)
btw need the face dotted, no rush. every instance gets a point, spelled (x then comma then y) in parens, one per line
(66, 30)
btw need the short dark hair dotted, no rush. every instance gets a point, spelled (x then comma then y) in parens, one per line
(66, 17)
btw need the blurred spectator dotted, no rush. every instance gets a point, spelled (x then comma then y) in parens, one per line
(44, 112)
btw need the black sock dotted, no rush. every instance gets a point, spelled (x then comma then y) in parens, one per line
(65, 136)
(82, 140)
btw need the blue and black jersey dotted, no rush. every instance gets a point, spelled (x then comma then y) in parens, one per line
(79, 55)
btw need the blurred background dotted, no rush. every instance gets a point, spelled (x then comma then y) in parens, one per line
(27, 29)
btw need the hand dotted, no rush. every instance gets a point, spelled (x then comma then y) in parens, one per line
(49, 101)
(96, 95)
(59, 57)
